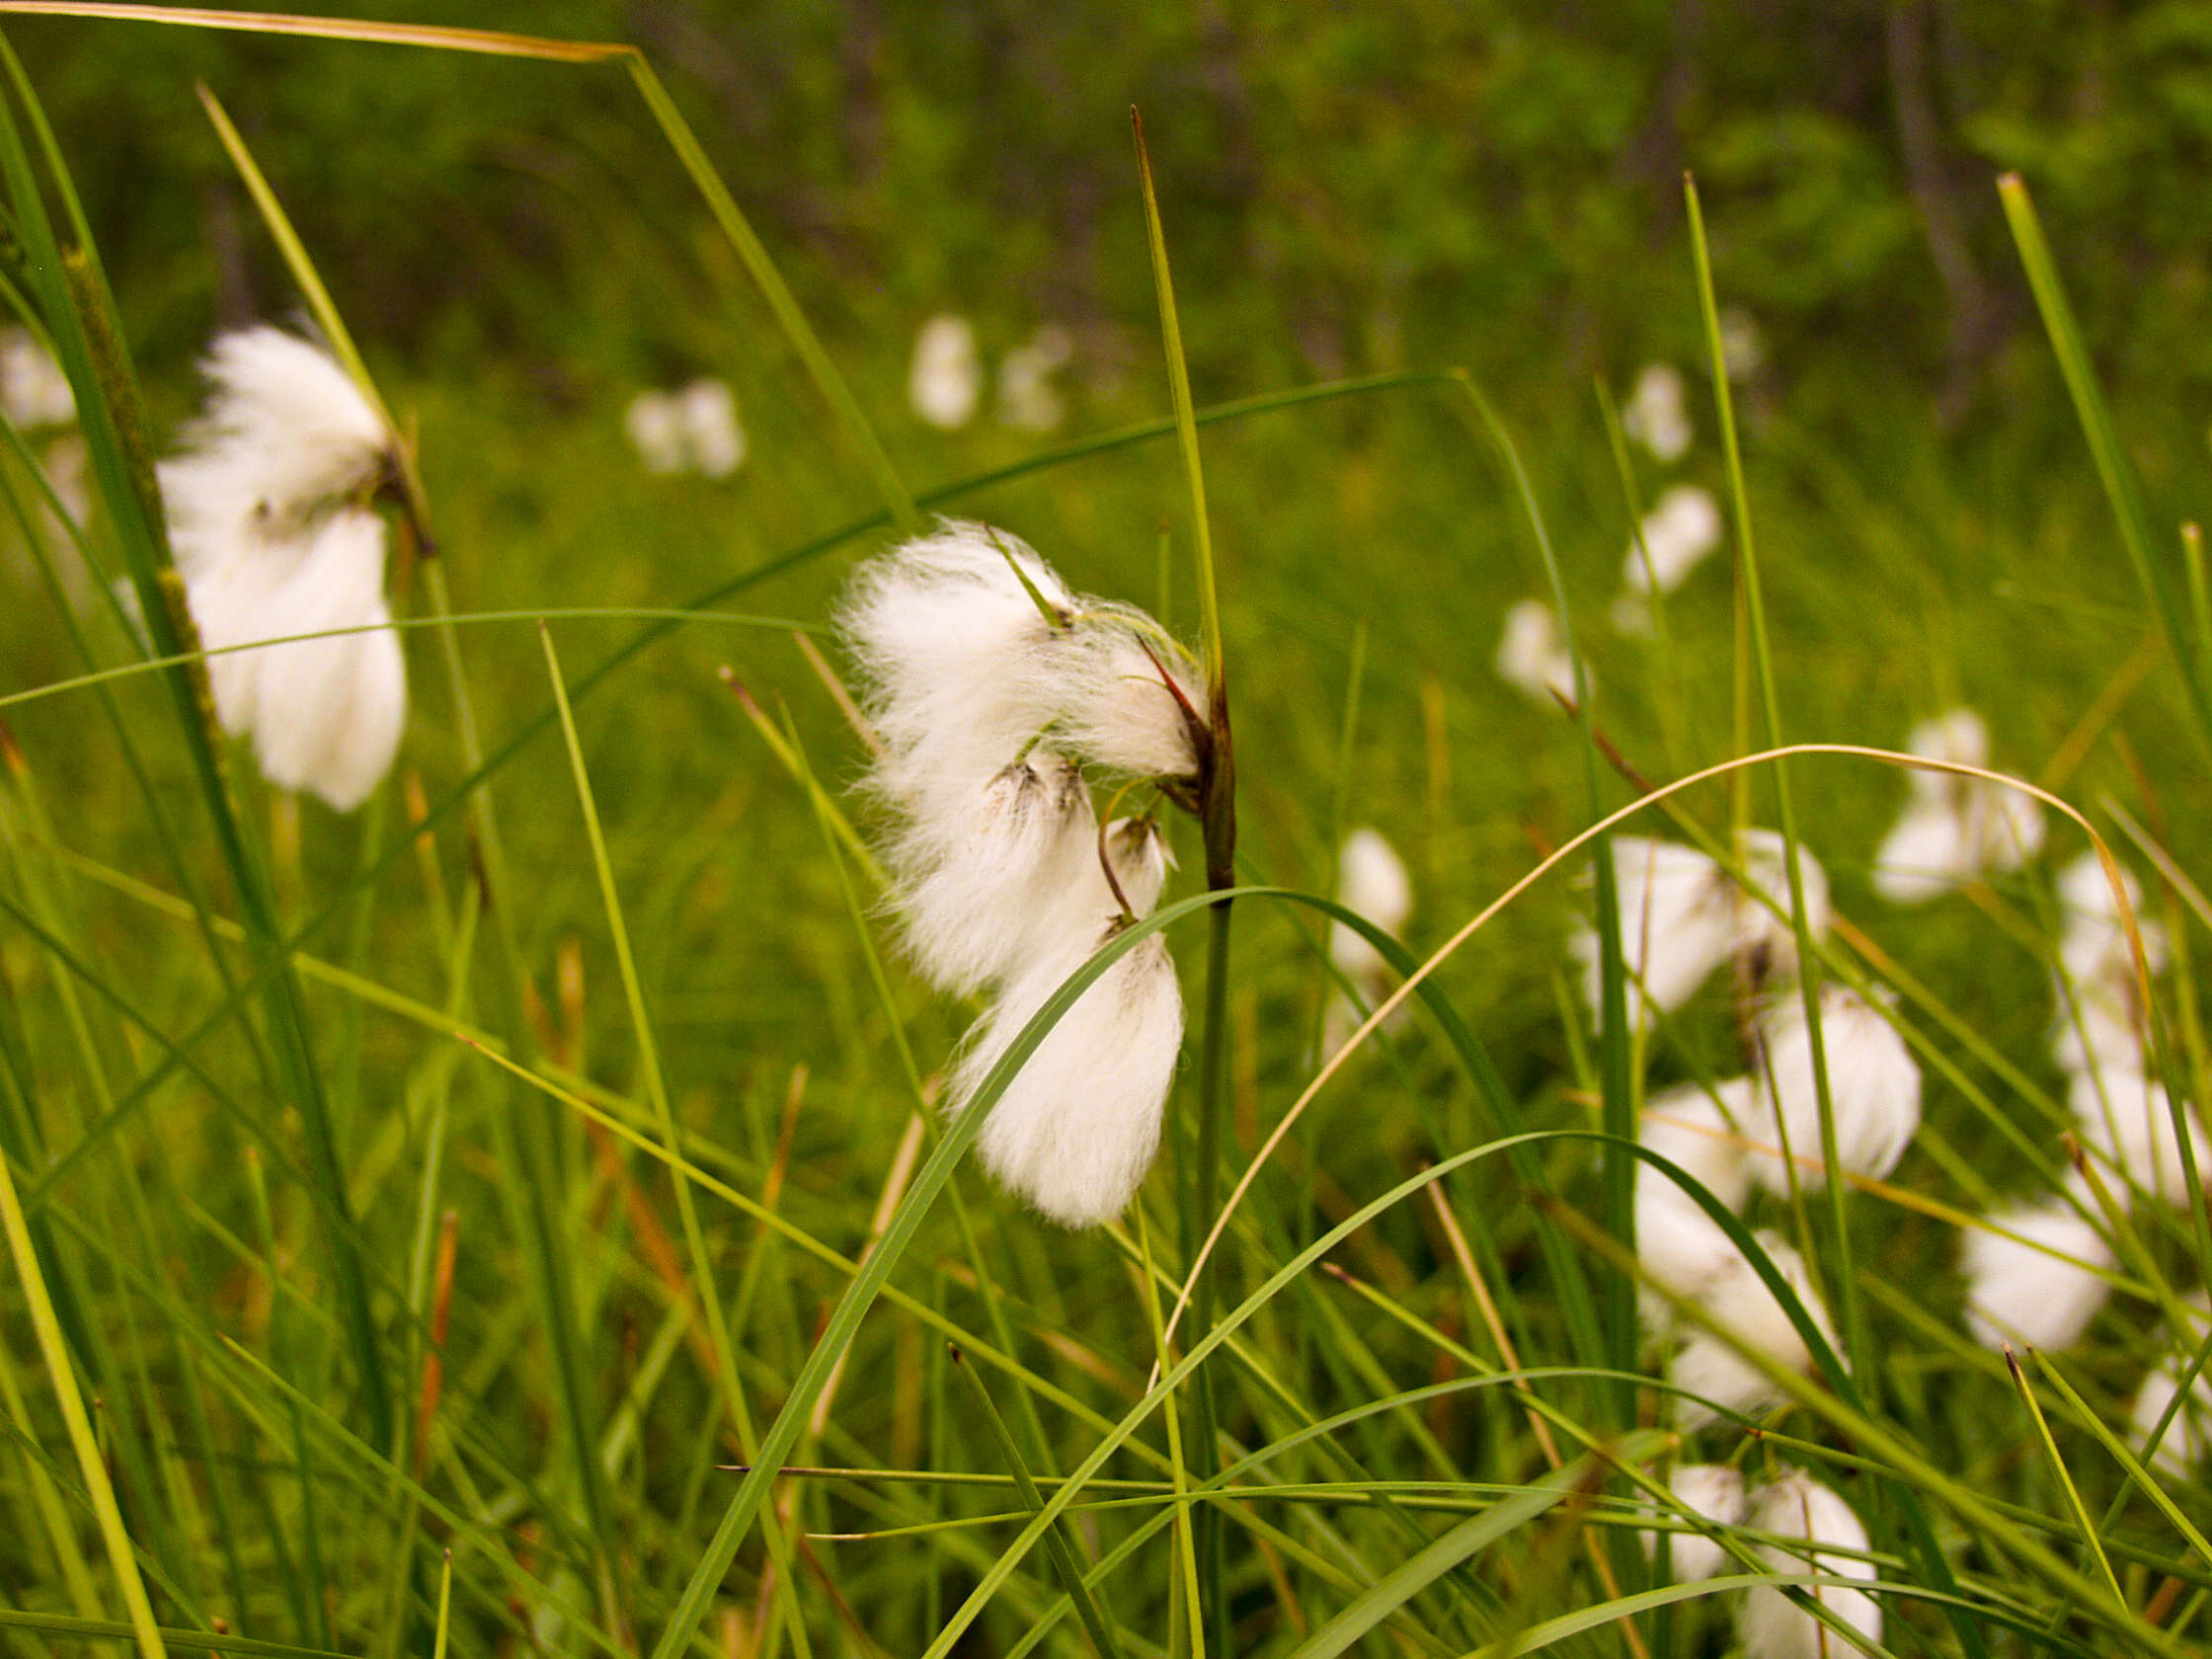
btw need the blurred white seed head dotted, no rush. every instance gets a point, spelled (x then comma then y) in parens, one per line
(1679, 533)
(1769, 1622)
(1873, 1086)
(1531, 657)
(33, 392)
(1077, 1126)
(1680, 1247)
(266, 518)
(2098, 1031)
(1954, 829)
(946, 380)
(1657, 413)
(693, 429)
(2127, 1121)
(1713, 1492)
(2183, 1443)
(2041, 1289)
(1714, 1368)
(2094, 947)
(1028, 399)
(1372, 880)
(1743, 343)
(1765, 934)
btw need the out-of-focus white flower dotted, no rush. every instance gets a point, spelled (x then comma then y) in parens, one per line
(1657, 413)
(1874, 1087)
(1076, 1128)
(1955, 829)
(991, 686)
(2041, 1288)
(1713, 1492)
(1714, 1369)
(2094, 947)
(1743, 343)
(1769, 1622)
(1679, 1246)
(946, 381)
(2129, 1121)
(33, 392)
(693, 429)
(1371, 880)
(1531, 658)
(1679, 533)
(272, 536)
(2182, 1445)
(2098, 1031)
(1682, 916)
(1028, 401)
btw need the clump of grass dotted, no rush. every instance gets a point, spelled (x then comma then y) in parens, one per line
(514, 1216)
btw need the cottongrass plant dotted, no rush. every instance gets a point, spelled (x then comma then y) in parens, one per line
(272, 520)
(1371, 880)
(945, 380)
(691, 428)
(994, 690)
(1955, 828)
(1531, 656)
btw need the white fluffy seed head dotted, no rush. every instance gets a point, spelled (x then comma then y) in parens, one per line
(1679, 533)
(1372, 880)
(1077, 1126)
(2182, 1445)
(33, 392)
(946, 379)
(286, 435)
(2127, 1121)
(1764, 932)
(1657, 413)
(1926, 855)
(1769, 1622)
(716, 440)
(972, 894)
(1954, 829)
(1699, 1128)
(325, 714)
(2094, 948)
(1531, 658)
(1713, 1367)
(1028, 400)
(2098, 1031)
(1125, 697)
(1873, 1086)
(1676, 925)
(1712, 1492)
(2041, 1288)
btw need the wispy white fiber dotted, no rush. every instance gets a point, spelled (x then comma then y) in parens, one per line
(1954, 829)
(1773, 1624)
(2094, 947)
(33, 392)
(1712, 1492)
(2186, 1438)
(1714, 1368)
(266, 521)
(1077, 1126)
(1126, 697)
(1682, 916)
(1372, 880)
(1874, 1087)
(2041, 1289)
(693, 429)
(1531, 657)
(2128, 1121)
(1028, 399)
(1679, 533)
(1680, 1247)
(946, 380)
(1657, 413)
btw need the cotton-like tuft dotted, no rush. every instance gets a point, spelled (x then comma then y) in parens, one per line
(1657, 413)
(1675, 923)
(2041, 1288)
(1680, 1247)
(2186, 1438)
(969, 888)
(1371, 880)
(1713, 1492)
(2094, 947)
(1873, 1086)
(1679, 534)
(1770, 1624)
(2128, 1122)
(33, 392)
(1531, 658)
(2098, 1031)
(946, 380)
(1765, 932)
(1713, 1367)
(693, 429)
(1028, 400)
(1077, 1126)
(1954, 829)
(1125, 699)
(270, 536)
